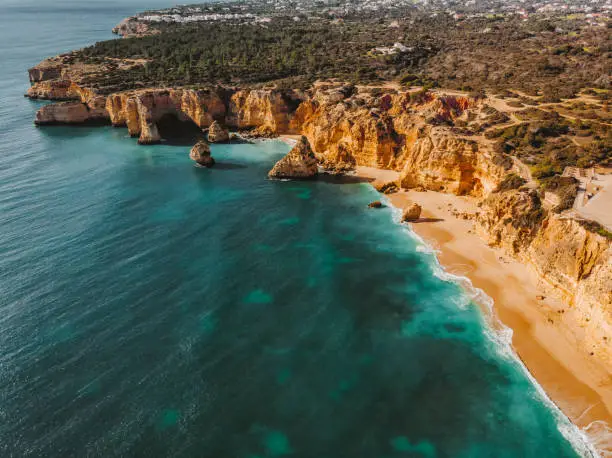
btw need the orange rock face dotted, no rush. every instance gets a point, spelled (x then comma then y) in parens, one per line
(345, 126)
(141, 110)
(574, 261)
(54, 90)
(68, 113)
(398, 132)
(264, 109)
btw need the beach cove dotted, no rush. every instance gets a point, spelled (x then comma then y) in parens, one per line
(514, 300)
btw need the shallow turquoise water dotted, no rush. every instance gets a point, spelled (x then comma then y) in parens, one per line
(152, 308)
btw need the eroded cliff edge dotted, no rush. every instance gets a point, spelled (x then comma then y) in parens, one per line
(412, 132)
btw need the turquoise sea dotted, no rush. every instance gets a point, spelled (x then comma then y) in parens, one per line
(149, 308)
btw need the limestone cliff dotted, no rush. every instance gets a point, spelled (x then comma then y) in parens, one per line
(575, 261)
(345, 125)
(263, 109)
(139, 111)
(439, 160)
(267, 111)
(511, 219)
(400, 132)
(54, 90)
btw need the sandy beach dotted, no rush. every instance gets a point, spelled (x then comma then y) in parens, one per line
(575, 381)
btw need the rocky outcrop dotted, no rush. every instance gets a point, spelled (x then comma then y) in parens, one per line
(131, 27)
(389, 187)
(412, 213)
(300, 162)
(402, 132)
(45, 71)
(439, 160)
(217, 134)
(69, 113)
(511, 219)
(54, 90)
(201, 154)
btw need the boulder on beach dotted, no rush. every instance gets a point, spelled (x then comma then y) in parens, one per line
(412, 213)
(300, 162)
(375, 204)
(389, 187)
(217, 133)
(201, 154)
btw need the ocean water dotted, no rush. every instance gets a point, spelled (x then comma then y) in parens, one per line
(152, 308)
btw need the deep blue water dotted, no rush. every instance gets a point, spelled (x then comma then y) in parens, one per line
(151, 308)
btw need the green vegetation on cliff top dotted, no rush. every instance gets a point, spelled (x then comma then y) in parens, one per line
(552, 55)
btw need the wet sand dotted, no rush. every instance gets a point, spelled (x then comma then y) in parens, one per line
(580, 385)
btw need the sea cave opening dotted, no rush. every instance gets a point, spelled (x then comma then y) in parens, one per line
(179, 132)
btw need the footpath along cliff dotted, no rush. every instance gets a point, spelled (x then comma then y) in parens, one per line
(411, 132)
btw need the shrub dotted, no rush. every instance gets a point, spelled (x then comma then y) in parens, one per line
(510, 181)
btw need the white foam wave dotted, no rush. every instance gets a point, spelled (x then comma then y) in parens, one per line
(600, 434)
(587, 442)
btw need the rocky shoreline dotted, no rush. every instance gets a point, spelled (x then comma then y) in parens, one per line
(513, 295)
(406, 131)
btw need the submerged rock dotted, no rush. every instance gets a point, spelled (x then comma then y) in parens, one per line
(375, 204)
(412, 213)
(217, 133)
(300, 162)
(201, 154)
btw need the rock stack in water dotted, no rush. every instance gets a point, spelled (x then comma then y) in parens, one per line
(201, 154)
(217, 134)
(300, 162)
